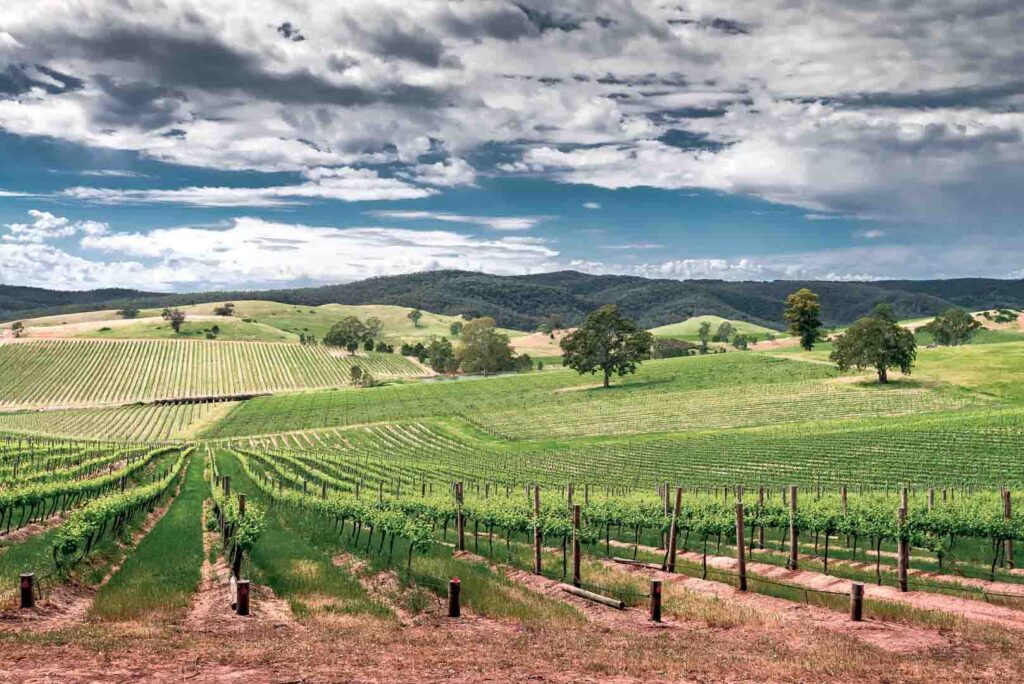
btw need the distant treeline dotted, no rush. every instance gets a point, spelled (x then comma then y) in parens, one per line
(525, 302)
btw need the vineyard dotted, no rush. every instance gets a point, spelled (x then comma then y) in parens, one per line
(709, 494)
(79, 373)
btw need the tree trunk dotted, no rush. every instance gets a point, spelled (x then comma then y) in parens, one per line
(883, 374)
(607, 376)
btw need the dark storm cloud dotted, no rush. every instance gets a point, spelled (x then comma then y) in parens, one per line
(503, 23)
(17, 79)
(207, 64)
(548, 21)
(968, 96)
(138, 105)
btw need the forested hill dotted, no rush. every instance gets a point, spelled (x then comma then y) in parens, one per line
(524, 301)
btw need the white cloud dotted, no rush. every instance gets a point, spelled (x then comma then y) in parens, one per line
(492, 222)
(591, 205)
(871, 234)
(345, 184)
(45, 226)
(447, 174)
(253, 252)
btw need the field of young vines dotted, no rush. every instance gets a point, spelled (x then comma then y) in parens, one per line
(366, 501)
(79, 373)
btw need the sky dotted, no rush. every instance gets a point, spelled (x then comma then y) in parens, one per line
(184, 145)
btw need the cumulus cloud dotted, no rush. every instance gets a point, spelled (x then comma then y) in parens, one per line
(45, 226)
(251, 251)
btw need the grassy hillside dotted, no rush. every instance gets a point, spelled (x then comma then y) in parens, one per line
(688, 329)
(253, 320)
(79, 373)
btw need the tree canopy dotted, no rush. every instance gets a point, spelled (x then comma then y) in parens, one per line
(349, 333)
(128, 312)
(607, 341)
(704, 334)
(415, 315)
(803, 313)
(176, 317)
(725, 332)
(953, 327)
(482, 349)
(875, 343)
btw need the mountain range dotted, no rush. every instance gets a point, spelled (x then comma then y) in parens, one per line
(525, 301)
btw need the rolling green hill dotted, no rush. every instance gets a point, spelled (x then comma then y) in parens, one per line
(689, 329)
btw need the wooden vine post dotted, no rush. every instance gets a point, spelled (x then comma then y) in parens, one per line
(454, 598)
(842, 497)
(460, 522)
(242, 597)
(856, 601)
(903, 548)
(741, 553)
(1009, 542)
(655, 600)
(28, 599)
(760, 528)
(794, 533)
(537, 534)
(576, 580)
(673, 533)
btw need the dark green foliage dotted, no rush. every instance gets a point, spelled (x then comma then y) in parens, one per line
(953, 327)
(803, 314)
(669, 348)
(525, 302)
(483, 349)
(724, 333)
(129, 312)
(607, 341)
(226, 309)
(875, 343)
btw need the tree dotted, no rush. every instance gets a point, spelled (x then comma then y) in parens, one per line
(724, 333)
(415, 315)
(703, 334)
(374, 327)
(884, 311)
(803, 312)
(346, 332)
(215, 330)
(607, 341)
(128, 312)
(356, 374)
(18, 328)
(670, 348)
(740, 341)
(455, 328)
(176, 317)
(953, 327)
(482, 349)
(442, 355)
(225, 309)
(875, 343)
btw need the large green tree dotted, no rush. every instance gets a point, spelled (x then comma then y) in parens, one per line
(953, 327)
(607, 342)
(875, 343)
(348, 333)
(803, 313)
(415, 315)
(482, 349)
(176, 317)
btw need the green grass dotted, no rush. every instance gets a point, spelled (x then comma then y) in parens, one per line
(158, 578)
(689, 329)
(230, 329)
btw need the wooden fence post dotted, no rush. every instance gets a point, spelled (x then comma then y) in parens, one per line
(856, 601)
(1009, 542)
(903, 548)
(242, 597)
(576, 580)
(537, 533)
(794, 533)
(241, 505)
(323, 490)
(741, 552)
(28, 599)
(655, 600)
(673, 532)
(843, 498)
(226, 481)
(454, 598)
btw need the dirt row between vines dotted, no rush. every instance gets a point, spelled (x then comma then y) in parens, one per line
(68, 604)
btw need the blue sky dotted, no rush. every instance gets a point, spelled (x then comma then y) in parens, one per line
(265, 144)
